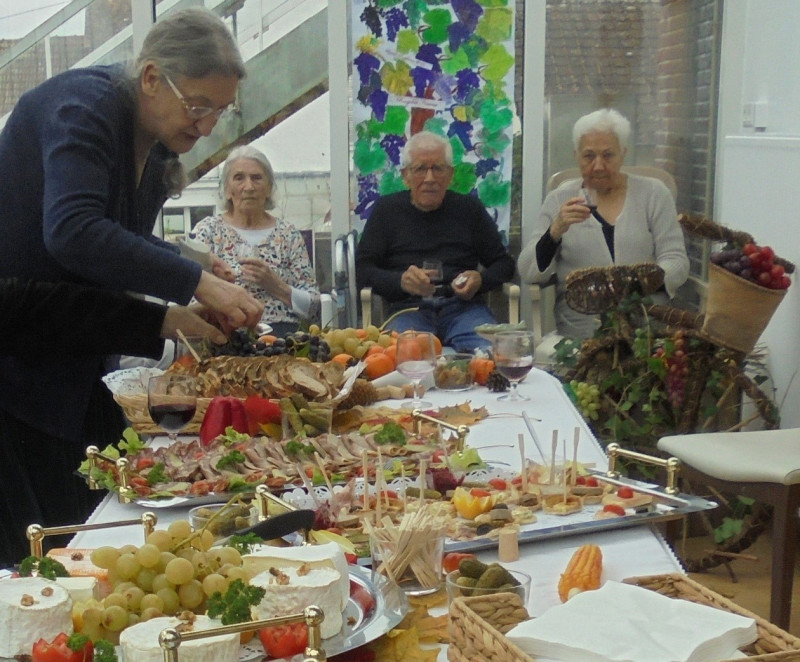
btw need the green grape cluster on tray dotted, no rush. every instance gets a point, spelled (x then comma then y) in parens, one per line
(173, 571)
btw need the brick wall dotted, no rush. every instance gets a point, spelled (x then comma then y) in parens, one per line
(687, 78)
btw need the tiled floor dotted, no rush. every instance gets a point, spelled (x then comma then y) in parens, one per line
(752, 590)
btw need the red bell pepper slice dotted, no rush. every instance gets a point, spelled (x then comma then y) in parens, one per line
(260, 410)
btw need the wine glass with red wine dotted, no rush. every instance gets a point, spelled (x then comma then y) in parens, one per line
(513, 358)
(172, 401)
(590, 197)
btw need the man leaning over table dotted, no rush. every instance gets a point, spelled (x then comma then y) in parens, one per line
(429, 222)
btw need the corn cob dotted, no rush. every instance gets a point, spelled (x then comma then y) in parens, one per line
(582, 573)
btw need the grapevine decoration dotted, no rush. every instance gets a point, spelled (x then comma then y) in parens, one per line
(651, 370)
(445, 67)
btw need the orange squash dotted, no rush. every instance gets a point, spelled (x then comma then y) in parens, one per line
(583, 572)
(481, 369)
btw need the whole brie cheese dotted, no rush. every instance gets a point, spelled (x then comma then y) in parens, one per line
(139, 643)
(330, 555)
(31, 608)
(316, 587)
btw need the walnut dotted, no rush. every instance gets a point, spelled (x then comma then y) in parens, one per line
(303, 570)
(281, 578)
(76, 556)
(47, 591)
(27, 600)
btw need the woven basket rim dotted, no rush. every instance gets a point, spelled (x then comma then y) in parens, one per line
(477, 632)
(724, 273)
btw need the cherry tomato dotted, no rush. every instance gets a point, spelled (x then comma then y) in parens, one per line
(140, 485)
(614, 508)
(478, 492)
(144, 463)
(580, 480)
(591, 481)
(498, 483)
(452, 560)
(284, 640)
(200, 488)
(59, 650)
(625, 493)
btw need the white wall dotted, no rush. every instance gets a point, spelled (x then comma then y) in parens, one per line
(758, 169)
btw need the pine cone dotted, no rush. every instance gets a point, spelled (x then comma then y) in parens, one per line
(363, 393)
(496, 382)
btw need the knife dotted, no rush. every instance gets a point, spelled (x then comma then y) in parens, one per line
(281, 525)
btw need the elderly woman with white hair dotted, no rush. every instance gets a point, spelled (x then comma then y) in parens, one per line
(267, 255)
(631, 219)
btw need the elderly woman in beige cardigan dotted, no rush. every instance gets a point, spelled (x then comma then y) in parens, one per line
(634, 220)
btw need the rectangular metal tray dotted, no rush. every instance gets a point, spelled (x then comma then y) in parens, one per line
(666, 507)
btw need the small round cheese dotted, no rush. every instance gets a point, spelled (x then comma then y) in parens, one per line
(31, 608)
(319, 586)
(139, 643)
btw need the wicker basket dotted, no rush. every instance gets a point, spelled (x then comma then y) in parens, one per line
(737, 311)
(135, 408)
(478, 624)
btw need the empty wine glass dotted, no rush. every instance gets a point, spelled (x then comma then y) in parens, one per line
(513, 357)
(416, 358)
(172, 401)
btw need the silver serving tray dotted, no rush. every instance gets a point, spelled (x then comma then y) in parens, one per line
(665, 507)
(359, 627)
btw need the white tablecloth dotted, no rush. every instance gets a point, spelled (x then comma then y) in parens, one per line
(626, 552)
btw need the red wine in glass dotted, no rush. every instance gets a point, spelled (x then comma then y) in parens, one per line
(590, 198)
(513, 357)
(172, 417)
(515, 372)
(172, 401)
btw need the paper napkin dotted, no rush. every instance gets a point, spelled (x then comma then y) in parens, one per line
(624, 623)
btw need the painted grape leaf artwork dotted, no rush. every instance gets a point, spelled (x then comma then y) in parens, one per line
(438, 65)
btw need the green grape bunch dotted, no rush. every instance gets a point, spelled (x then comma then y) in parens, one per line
(587, 397)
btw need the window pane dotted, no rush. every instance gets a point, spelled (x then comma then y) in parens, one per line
(655, 62)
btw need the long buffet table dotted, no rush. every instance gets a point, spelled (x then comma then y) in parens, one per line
(639, 550)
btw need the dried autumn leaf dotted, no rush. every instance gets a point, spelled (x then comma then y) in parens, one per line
(462, 414)
(398, 646)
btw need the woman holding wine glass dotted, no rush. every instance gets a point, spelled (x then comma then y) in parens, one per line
(416, 359)
(172, 401)
(513, 353)
(604, 218)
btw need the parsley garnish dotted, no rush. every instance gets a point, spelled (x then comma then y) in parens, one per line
(234, 606)
(245, 543)
(231, 459)
(77, 641)
(45, 567)
(157, 474)
(391, 433)
(104, 651)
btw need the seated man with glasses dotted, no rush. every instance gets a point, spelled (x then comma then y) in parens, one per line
(410, 233)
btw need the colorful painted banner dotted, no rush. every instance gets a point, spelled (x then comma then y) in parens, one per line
(441, 66)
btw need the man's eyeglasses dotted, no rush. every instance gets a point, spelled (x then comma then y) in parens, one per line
(197, 112)
(421, 171)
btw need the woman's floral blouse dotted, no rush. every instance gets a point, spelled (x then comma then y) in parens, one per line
(284, 251)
